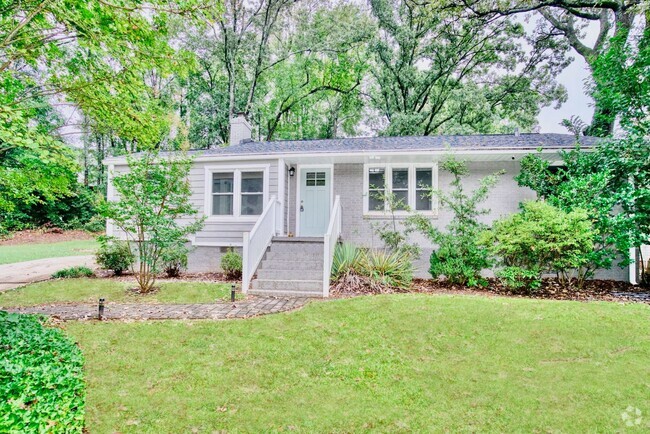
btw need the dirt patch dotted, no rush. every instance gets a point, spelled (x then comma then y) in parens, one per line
(593, 290)
(45, 236)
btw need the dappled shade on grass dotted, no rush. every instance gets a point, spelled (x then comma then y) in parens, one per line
(383, 363)
(90, 290)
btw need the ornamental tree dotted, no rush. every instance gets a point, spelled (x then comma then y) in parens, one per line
(459, 255)
(153, 210)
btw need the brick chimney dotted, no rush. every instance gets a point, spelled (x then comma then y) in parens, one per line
(240, 129)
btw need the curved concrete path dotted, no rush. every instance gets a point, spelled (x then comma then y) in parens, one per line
(253, 306)
(22, 273)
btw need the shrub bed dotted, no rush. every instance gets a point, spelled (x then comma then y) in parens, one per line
(41, 379)
(549, 288)
(73, 273)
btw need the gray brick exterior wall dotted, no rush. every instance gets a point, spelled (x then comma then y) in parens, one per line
(357, 228)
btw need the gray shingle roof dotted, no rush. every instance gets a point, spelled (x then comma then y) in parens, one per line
(420, 143)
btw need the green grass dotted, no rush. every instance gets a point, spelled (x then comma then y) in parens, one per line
(28, 252)
(90, 290)
(383, 364)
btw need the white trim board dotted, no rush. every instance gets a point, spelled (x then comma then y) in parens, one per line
(435, 153)
(236, 170)
(411, 191)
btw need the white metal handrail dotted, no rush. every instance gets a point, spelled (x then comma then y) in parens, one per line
(331, 238)
(257, 240)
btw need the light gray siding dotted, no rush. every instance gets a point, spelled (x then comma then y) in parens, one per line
(219, 233)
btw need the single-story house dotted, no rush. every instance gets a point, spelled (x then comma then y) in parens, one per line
(285, 204)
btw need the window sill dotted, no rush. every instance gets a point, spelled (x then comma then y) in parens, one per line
(400, 216)
(232, 219)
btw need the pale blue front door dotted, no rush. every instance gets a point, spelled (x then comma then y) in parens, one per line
(314, 206)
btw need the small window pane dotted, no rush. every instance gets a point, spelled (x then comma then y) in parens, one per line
(222, 182)
(423, 178)
(252, 204)
(311, 182)
(401, 199)
(311, 175)
(375, 200)
(400, 178)
(252, 182)
(423, 201)
(222, 204)
(376, 178)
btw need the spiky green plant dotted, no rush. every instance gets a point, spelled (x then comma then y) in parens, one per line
(391, 269)
(348, 259)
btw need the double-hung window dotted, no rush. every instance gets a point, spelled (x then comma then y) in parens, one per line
(237, 193)
(408, 186)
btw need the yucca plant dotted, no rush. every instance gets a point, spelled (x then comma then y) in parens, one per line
(389, 269)
(348, 259)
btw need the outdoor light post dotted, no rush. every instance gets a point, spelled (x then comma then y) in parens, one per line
(232, 293)
(101, 309)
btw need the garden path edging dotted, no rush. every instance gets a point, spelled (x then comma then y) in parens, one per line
(137, 311)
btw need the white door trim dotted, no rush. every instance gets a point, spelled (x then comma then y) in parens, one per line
(299, 170)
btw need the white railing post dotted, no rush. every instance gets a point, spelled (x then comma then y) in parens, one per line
(329, 244)
(327, 266)
(257, 240)
(245, 276)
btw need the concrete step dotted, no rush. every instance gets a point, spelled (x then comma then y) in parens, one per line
(274, 273)
(291, 264)
(294, 256)
(296, 247)
(299, 239)
(287, 285)
(270, 293)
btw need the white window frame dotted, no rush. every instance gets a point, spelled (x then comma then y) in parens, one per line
(236, 171)
(412, 194)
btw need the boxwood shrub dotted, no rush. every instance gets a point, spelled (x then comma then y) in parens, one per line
(41, 380)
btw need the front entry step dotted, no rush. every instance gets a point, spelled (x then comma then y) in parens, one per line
(291, 267)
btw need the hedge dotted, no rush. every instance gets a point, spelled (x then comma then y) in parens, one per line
(41, 379)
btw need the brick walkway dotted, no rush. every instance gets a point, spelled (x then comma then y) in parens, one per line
(240, 309)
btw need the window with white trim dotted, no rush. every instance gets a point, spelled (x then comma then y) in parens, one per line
(237, 193)
(409, 184)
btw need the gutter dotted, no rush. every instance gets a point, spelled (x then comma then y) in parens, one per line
(284, 155)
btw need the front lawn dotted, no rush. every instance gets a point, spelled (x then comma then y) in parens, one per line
(90, 290)
(11, 253)
(395, 363)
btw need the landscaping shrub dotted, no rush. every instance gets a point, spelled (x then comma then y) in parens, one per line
(394, 269)
(175, 259)
(231, 264)
(375, 271)
(114, 255)
(95, 224)
(41, 378)
(518, 279)
(348, 259)
(459, 256)
(459, 259)
(542, 238)
(73, 272)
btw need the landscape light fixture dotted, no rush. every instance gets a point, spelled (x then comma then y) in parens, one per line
(232, 293)
(100, 312)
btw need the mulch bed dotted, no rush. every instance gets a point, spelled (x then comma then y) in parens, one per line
(45, 235)
(183, 277)
(593, 290)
